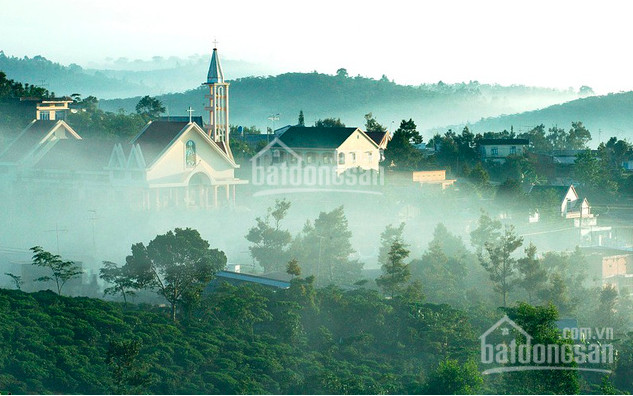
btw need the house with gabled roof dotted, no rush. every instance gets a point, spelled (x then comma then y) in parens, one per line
(178, 164)
(572, 206)
(34, 142)
(499, 149)
(340, 147)
(173, 162)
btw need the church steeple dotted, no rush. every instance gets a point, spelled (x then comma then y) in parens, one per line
(218, 107)
(215, 74)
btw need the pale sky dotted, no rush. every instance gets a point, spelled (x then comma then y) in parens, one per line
(542, 43)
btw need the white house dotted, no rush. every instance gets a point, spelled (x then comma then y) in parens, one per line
(340, 147)
(170, 163)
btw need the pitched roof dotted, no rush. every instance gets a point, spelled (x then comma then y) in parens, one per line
(377, 137)
(315, 137)
(156, 137)
(196, 119)
(262, 280)
(26, 141)
(76, 155)
(215, 74)
(519, 142)
(560, 191)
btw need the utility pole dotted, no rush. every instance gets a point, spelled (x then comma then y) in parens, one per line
(93, 219)
(273, 118)
(57, 230)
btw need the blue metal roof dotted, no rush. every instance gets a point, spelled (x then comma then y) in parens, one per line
(252, 279)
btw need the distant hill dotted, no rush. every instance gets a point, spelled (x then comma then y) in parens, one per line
(608, 115)
(253, 99)
(319, 95)
(120, 78)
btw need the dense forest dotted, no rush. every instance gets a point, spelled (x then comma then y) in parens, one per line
(254, 99)
(413, 330)
(608, 115)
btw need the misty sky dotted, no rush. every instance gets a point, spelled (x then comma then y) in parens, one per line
(562, 44)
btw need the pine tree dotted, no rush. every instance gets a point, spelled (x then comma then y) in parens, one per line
(395, 272)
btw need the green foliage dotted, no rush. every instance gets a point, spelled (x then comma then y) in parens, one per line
(458, 152)
(62, 271)
(487, 230)
(324, 248)
(293, 268)
(387, 238)
(178, 265)
(301, 121)
(371, 125)
(499, 263)
(270, 241)
(395, 271)
(401, 151)
(17, 280)
(539, 322)
(442, 269)
(453, 378)
(532, 274)
(149, 107)
(121, 281)
(92, 122)
(329, 123)
(129, 376)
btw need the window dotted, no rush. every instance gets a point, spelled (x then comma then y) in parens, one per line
(513, 150)
(341, 158)
(190, 154)
(369, 156)
(494, 151)
(45, 115)
(353, 156)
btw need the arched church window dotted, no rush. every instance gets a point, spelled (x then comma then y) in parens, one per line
(190, 154)
(341, 158)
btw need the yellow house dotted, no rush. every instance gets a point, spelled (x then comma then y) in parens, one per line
(339, 147)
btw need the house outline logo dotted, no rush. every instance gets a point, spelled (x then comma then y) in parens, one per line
(512, 357)
(302, 177)
(505, 319)
(268, 147)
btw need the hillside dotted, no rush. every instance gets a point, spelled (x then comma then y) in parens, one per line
(121, 78)
(245, 340)
(253, 99)
(605, 116)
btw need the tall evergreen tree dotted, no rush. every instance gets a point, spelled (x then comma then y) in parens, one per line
(395, 271)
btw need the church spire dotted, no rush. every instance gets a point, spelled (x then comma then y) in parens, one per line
(215, 74)
(218, 108)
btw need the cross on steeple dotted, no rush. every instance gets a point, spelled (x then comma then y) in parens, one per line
(190, 111)
(215, 44)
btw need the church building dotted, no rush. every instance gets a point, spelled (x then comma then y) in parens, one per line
(170, 163)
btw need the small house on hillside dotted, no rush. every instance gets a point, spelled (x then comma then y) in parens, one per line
(434, 177)
(499, 149)
(572, 206)
(340, 147)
